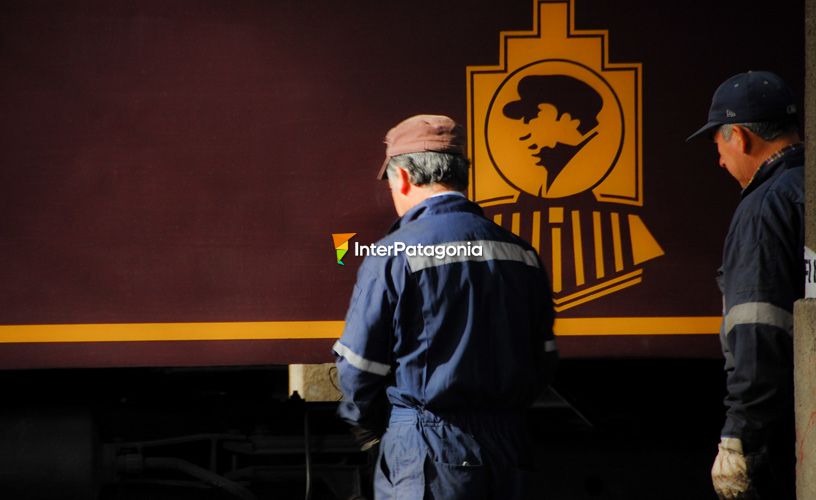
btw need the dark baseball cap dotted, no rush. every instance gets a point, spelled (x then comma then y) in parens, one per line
(422, 133)
(755, 96)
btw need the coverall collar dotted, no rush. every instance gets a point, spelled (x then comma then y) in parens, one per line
(437, 205)
(772, 164)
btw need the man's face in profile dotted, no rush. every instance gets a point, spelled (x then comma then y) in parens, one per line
(547, 129)
(551, 138)
(553, 135)
(554, 117)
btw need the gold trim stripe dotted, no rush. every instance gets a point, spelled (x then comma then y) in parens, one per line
(662, 325)
(606, 291)
(578, 248)
(616, 242)
(515, 224)
(536, 236)
(140, 332)
(596, 288)
(599, 256)
(557, 284)
(282, 330)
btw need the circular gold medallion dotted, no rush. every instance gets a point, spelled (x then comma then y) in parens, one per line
(554, 128)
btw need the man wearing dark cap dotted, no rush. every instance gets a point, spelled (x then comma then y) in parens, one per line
(447, 342)
(753, 121)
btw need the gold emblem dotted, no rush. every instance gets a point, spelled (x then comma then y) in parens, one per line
(556, 145)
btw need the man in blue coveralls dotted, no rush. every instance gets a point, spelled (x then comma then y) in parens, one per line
(753, 121)
(448, 338)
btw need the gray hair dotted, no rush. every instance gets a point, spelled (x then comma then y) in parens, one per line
(767, 131)
(430, 167)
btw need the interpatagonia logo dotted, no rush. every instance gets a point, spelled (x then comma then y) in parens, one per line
(341, 245)
(466, 250)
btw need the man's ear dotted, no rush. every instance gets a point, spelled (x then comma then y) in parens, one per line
(745, 141)
(403, 180)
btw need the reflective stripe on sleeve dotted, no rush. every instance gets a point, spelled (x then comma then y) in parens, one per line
(758, 313)
(360, 362)
(550, 346)
(473, 251)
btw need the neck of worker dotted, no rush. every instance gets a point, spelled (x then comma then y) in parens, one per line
(422, 193)
(766, 150)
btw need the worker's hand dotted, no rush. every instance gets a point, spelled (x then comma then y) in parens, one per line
(364, 438)
(730, 471)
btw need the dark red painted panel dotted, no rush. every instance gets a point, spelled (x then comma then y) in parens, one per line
(187, 353)
(267, 352)
(188, 161)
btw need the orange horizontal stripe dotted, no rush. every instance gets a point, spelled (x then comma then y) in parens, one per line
(661, 325)
(281, 330)
(139, 332)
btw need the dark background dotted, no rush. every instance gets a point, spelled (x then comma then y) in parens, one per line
(187, 161)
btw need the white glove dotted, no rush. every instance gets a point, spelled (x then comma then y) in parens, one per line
(730, 471)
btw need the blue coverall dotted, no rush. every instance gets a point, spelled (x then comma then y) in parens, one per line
(448, 352)
(762, 276)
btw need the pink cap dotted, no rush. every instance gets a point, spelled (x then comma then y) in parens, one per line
(423, 133)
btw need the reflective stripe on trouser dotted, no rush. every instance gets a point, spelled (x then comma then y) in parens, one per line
(479, 456)
(762, 313)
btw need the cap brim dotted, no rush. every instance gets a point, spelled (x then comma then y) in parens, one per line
(705, 128)
(383, 170)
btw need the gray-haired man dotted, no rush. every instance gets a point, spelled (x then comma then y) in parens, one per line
(445, 348)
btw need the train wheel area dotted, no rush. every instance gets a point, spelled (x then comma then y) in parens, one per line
(609, 429)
